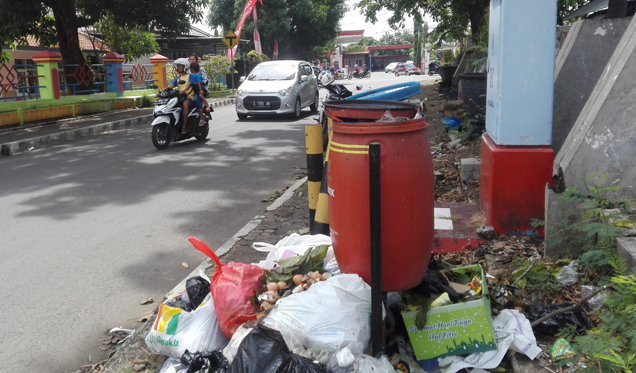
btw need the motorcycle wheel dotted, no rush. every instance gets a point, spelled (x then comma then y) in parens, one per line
(161, 136)
(202, 132)
(349, 76)
(367, 75)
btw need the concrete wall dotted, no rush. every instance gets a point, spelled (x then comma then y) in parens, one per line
(603, 138)
(580, 63)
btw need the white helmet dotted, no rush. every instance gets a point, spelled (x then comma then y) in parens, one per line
(182, 61)
(327, 78)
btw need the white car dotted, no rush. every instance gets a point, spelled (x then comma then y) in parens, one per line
(391, 67)
(277, 87)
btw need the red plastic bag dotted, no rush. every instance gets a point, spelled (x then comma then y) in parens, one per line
(232, 285)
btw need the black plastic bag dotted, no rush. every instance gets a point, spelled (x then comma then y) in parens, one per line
(551, 326)
(264, 350)
(206, 362)
(197, 288)
(435, 283)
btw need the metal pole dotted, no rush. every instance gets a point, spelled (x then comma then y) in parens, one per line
(232, 68)
(377, 326)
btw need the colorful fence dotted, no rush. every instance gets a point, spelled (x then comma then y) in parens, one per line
(54, 80)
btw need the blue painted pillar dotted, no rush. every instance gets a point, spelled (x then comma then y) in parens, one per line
(114, 78)
(516, 158)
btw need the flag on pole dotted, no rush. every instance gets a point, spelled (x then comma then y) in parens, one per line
(275, 56)
(257, 36)
(249, 6)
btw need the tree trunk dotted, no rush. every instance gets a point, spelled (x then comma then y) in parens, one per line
(64, 12)
(617, 9)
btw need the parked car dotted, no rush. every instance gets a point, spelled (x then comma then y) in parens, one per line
(407, 69)
(391, 67)
(277, 87)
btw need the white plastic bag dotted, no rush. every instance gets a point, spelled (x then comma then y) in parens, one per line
(512, 331)
(173, 365)
(176, 330)
(231, 349)
(295, 243)
(368, 364)
(327, 317)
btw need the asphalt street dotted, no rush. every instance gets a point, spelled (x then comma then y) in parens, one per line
(93, 227)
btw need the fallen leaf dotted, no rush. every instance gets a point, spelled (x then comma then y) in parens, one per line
(185, 265)
(150, 300)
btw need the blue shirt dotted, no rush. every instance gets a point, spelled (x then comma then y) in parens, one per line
(191, 79)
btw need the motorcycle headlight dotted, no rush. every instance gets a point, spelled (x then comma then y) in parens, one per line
(168, 106)
(241, 92)
(286, 91)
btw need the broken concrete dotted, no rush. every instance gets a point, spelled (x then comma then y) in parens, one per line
(559, 214)
(469, 169)
(603, 139)
(627, 250)
(581, 61)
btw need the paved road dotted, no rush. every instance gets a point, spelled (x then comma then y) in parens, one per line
(92, 228)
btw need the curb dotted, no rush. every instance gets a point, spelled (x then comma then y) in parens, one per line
(16, 147)
(247, 228)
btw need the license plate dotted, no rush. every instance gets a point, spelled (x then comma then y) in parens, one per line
(261, 104)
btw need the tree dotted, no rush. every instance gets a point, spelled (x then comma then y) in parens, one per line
(453, 13)
(165, 16)
(216, 66)
(132, 43)
(18, 19)
(301, 27)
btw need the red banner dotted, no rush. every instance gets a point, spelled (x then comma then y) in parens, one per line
(249, 6)
(257, 36)
(275, 56)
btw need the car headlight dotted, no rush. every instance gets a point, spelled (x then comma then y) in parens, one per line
(241, 92)
(286, 91)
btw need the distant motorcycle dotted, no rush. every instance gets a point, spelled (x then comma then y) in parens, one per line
(335, 92)
(432, 69)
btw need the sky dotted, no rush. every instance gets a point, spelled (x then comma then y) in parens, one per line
(353, 20)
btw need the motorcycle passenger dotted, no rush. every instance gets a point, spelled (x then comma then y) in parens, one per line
(184, 83)
(199, 98)
(204, 76)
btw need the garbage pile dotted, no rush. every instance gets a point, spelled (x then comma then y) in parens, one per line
(296, 312)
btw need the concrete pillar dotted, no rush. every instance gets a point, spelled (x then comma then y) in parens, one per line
(48, 63)
(114, 79)
(159, 70)
(515, 152)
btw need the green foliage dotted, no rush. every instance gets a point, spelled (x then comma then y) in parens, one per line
(147, 100)
(301, 27)
(5, 57)
(568, 332)
(132, 43)
(540, 278)
(60, 19)
(216, 67)
(536, 223)
(311, 261)
(452, 16)
(611, 346)
(448, 58)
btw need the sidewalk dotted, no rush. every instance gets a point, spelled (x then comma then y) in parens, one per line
(15, 139)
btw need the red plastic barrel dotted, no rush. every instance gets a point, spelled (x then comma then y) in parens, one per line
(407, 189)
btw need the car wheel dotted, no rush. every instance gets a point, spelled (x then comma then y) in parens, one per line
(314, 107)
(297, 109)
(397, 74)
(407, 73)
(241, 116)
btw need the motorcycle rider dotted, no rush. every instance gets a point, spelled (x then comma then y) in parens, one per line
(184, 82)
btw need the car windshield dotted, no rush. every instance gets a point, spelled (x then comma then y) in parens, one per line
(409, 65)
(273, 72)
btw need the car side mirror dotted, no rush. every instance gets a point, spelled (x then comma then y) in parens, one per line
(241, 79)
(304, 78)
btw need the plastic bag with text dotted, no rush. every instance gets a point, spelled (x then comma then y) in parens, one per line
(232, 285)
(176, 330)
(293, 243)
(328, 316)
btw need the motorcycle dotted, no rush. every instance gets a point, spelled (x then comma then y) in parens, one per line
(335, 92)
(362, 74)
(166, 127)
(432, 69)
